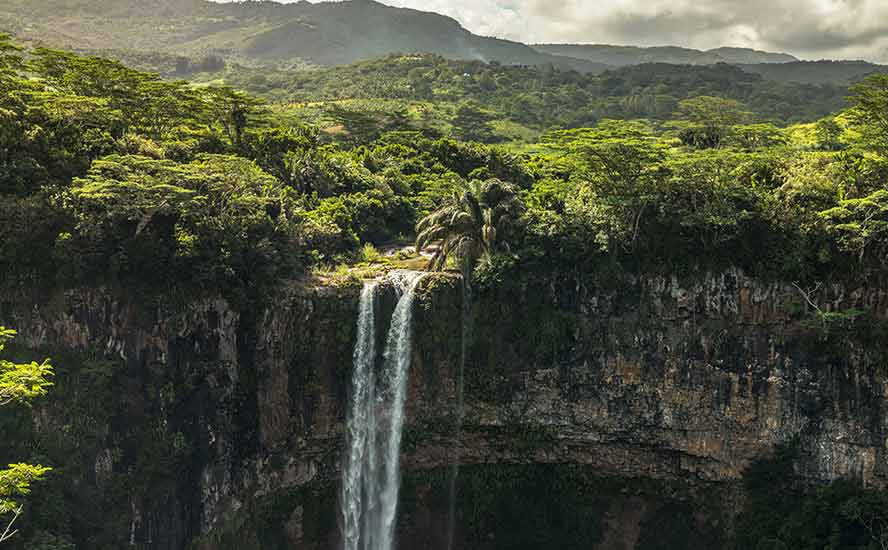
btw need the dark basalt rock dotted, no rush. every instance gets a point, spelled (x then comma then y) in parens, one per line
(198, 424)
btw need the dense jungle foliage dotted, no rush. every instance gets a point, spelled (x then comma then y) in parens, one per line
(522, 101)
(111, 174)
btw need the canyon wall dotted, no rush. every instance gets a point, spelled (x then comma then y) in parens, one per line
(610, 406)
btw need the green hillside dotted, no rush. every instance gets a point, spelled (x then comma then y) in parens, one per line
(497, 103)
(261, 33)
(181, 38)
(620, 56)
(817, 72)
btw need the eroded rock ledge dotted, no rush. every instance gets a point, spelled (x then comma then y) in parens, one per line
(681, 380)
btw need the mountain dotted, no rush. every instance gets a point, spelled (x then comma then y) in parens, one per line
(262, 33)
(621, 56)
(178, 37)
(816, 72)
(737, 56)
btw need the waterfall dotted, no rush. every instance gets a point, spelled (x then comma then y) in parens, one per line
(360, 420)
(371, 472)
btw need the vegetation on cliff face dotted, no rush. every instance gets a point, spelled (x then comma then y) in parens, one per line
(20, 383)
(782, 514)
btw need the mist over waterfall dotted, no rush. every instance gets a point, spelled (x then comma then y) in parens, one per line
(371, 472)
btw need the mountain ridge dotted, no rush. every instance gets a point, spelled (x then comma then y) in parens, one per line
(263, 33)
(305, 34)
(620, 56)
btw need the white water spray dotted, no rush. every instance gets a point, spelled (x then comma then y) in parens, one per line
(371, 473)
(360, 416)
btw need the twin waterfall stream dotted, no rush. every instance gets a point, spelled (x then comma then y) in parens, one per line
(370, 474)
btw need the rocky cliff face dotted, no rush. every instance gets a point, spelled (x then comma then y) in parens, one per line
(619, 405)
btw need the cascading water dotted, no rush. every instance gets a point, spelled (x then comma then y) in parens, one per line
(371, 473)
(359, 422)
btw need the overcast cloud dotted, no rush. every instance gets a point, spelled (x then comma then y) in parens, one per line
(810, 29)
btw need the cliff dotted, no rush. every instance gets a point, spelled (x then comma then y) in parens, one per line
(610, 406)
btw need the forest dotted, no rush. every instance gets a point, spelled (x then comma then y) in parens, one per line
(108, 170)
(521, 102)
(240, 180)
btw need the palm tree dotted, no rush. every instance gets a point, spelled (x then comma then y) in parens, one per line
(472, 225)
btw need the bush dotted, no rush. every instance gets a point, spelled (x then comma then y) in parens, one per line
(369, 254)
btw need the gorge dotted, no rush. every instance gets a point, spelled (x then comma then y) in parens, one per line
(615, 404)
(429, 301)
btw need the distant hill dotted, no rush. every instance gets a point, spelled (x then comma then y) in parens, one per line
(262, 33)
(182, 37)
(525, 100)
(621, 56)
(817, 72)
(738, 56)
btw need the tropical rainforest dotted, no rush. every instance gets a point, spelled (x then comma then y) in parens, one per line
(243, 177)
(113, 174)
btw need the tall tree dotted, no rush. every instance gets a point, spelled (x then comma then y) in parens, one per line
(828, 133)
(472, 225)
(233, 110)
(861, 225)
(711, 119)
(472, 123)
(870, 100)
(622, 174)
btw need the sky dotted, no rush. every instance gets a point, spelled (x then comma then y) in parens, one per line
(809, 29)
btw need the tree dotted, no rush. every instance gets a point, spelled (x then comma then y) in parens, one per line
(705, 205)
(145, 101)
(713, 111)
(828, 133)
(711, 118)
(622, 174)
(472, 225)
(757, 136)
(472, 123)
(165, 105)
(270, 148)
(218, 218)
(870, 101)
(421, 81)
(133, 190)
(861, 225)
(233, 110)
(366, 121)
(19, 384)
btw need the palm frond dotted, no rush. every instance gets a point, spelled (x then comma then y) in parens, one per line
(471, 224)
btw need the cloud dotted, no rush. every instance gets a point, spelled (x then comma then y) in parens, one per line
(807, 28)
(810, 29)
